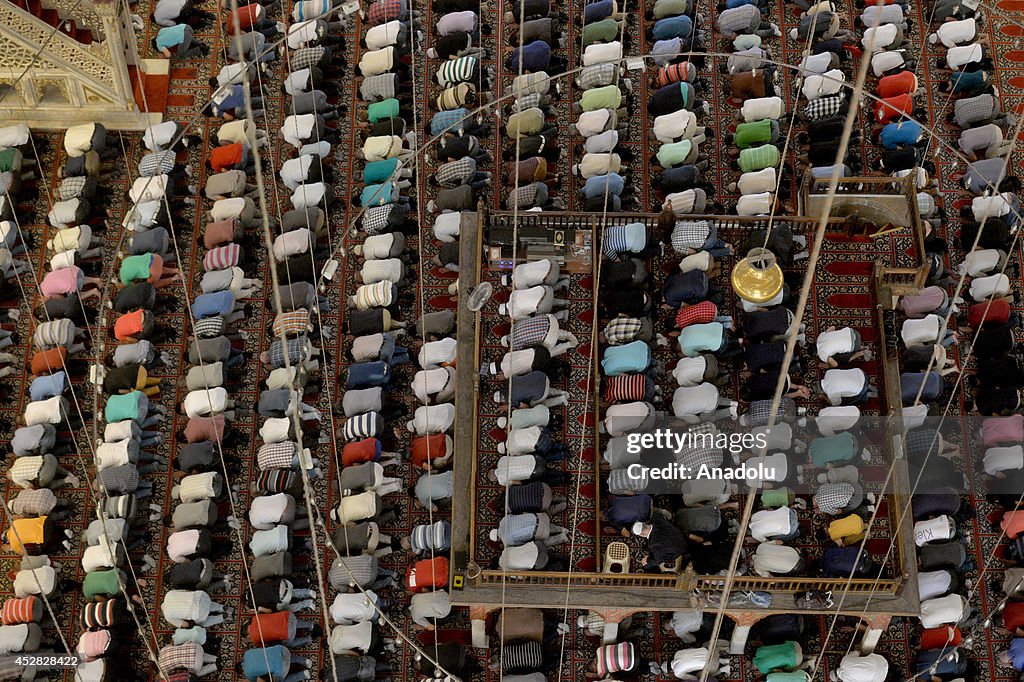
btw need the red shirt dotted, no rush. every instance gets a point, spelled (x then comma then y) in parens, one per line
(939, 638)
(49, 361)
(226, 157)
(1012, 523)
(892, 108)
(247, 16)
(357, 452)
(1013, 615)
(426, 448)
(128, 325)
(625, 388)
(998, 313)
(897, 84)
(698, 313)
(427, 574)
(271, 627)
(198, 429)
(17, 611)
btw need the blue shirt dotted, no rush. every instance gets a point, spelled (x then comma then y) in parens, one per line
(673, 27)
(211, 305)
(535, 56)
(368, 375)
(170, 36)
(1017, 653)
(232, 100)
(377, 195)
(443, 120)
(825, 172)
(631, 358)
(624, 511)
(596, 11)
(686, 287)
(596, 185)
(900, 133)
(698, 338)
(266, 662)
(379, 171)
(47, 386)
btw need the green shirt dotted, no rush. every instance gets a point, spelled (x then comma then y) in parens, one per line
(379, 171)
(795, 676)
(837, 448)
(101, 583)
(8, 157)
(378, 111)
(759, 158)
(122, 407)
(608, 97)
(773, 498)
(605, 31)
(776, 656)
(135, 268)
(670, 8)
(674, 153)
(750, 134)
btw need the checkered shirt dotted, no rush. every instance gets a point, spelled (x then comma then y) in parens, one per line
(447, 121)
(832, 498)
(209, 327)
(377, 219)
(384, 11)
(825, 107)
(381, 86)
(523, 197)
(185, 656)
(742, 19)
(620, 481)
(72, 188)
(622, 330)
(597, 76)
(455, 173)
(38, 502)
(157, 163)
(700, 313)
(294, 323)
(353, 570)
(276, 455)
(305, 58)
(534, 99)
(974, 110)
(760, 410)
(296, 350)
(530, 332)
(690, 234)
(696, 456)
(517, 529)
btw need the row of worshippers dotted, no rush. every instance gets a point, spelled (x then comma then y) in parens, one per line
(536, 43)
(372, 439)
(33, 515)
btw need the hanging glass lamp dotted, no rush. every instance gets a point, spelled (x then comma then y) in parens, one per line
(757, 278)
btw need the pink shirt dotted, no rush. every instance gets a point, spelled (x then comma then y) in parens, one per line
(62, 282)
(995, 430)
(93, 645)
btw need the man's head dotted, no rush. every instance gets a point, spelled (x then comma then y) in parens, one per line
(641, 529)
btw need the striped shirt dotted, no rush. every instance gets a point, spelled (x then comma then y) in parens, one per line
(157, 163)
(292, 323)
(101, 614)
(426, 538)
(614, 658)
(55, 333)
(625, 388)
(754, 159)
(276, 455)
(523, 656)
(456, 71)
(16, 611)
(275, 481)
(381, 294)
(222, 257)
(368, 425)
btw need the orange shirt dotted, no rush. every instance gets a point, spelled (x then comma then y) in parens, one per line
(892, 108)
(427, 574)
(49, 361)
(897, 84)
(128, 325)
(247, 16)
(272, 627)
(426, 448)
(357, 452)
(26, 532)
(226, 157)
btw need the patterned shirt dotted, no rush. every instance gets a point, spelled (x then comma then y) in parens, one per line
(296, 350)
(825, 107)
(456, 71)
(832, 498)
(16, 611)
(209, 327)
(306, 57)
(381, 86)
(534, 99)
(71, 188)
(383, 11)
(55, 333)
(597, 76)
(699, 313)
(613, 658)
(377, 219)
(292, 323)
(760, 411)
(34, 502)
(971, 110)
(455, 173)
(276, 455)
(354, 570)
(157, 163)
(622, 330)
(530, 332)
(625, 388)
(184, 656)
(436, 537)
(222, 257)
(362, 426)
(690, 234)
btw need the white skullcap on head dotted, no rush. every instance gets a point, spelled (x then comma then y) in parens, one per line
(638, 528)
